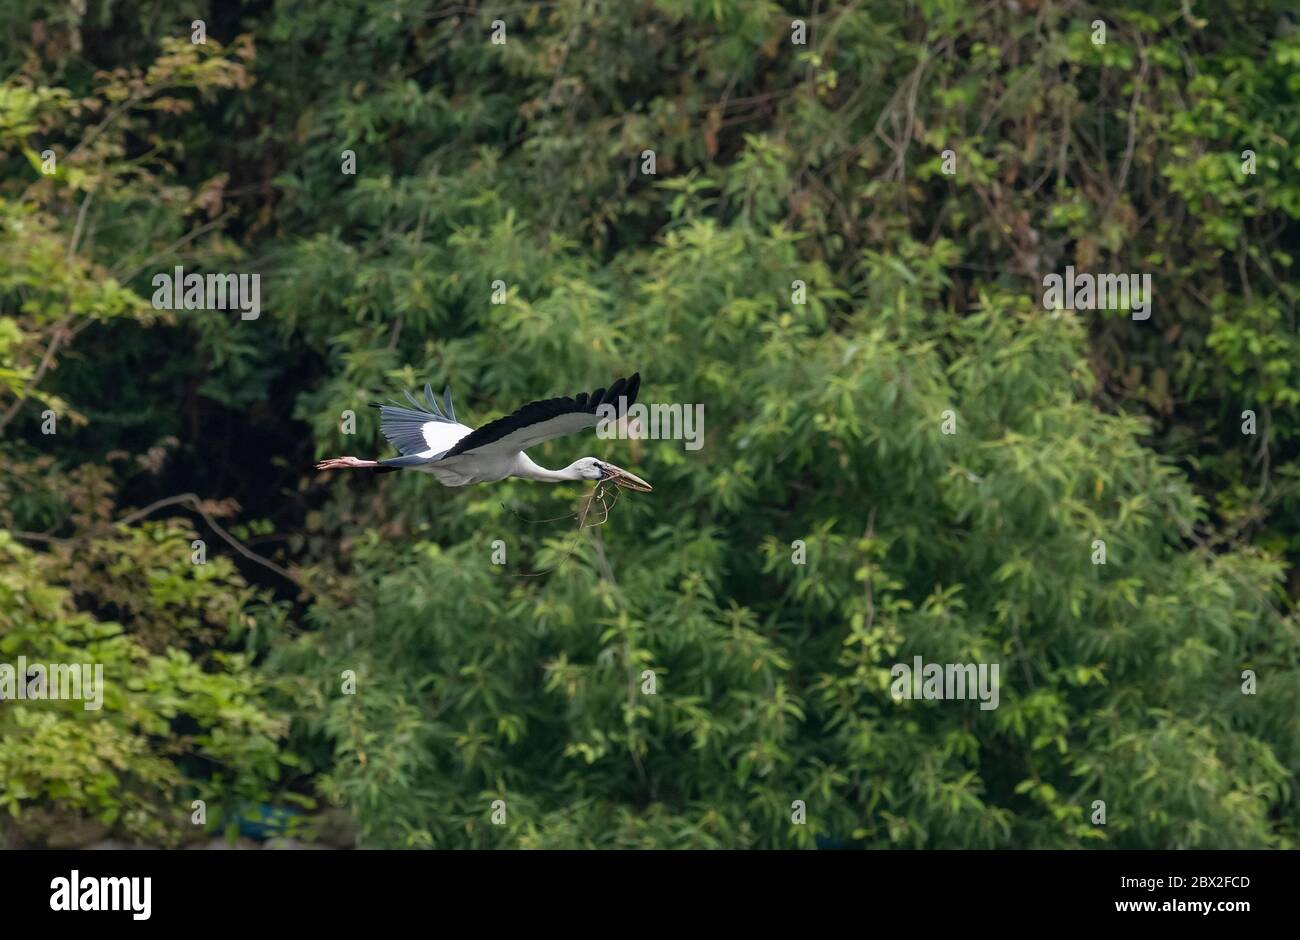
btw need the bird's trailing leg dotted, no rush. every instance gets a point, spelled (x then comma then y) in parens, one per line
(347, 463)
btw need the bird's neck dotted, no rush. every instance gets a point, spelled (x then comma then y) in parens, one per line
(533, 471)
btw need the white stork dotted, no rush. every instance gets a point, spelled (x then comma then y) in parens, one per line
(432, 441)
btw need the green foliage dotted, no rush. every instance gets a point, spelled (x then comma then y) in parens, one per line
(181, 716)
(477, 685)
(168, 730)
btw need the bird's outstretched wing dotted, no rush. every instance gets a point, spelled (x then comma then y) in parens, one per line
(540, 421)
(415, 430)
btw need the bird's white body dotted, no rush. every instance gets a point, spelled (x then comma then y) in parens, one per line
(478, 468)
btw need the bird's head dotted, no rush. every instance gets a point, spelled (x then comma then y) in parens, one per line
(592, 469)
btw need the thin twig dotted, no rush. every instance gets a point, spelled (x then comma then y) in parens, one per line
(196, 504)
(183, 240)
(60, 336)
(193, 502)
(76, 229)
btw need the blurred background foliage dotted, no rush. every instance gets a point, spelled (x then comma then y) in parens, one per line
(774, 163)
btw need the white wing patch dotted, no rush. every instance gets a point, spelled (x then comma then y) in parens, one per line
(441, 436)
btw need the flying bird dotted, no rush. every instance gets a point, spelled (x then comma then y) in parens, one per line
(431, 440)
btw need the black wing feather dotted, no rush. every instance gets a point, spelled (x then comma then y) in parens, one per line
(538, 411)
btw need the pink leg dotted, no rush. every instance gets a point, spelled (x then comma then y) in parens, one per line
(345, 463)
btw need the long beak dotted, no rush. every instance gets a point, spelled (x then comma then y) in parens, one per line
(627, 480)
